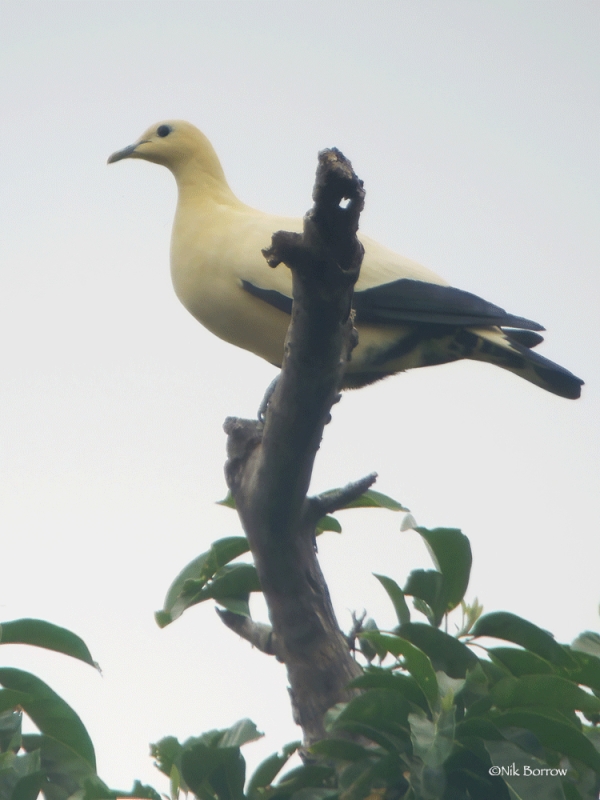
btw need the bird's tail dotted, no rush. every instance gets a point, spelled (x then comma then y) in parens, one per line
(504, 350)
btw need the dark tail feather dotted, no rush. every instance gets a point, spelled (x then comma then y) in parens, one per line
(503, 350)
(528, 339)
(555, 378)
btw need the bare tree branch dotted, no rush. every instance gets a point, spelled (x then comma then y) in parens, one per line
(334, 500)
(269, 467)
(257, 633)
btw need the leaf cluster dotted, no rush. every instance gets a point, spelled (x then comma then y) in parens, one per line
(59, 762)
(212, 576)
(439, 716)
(436, 716)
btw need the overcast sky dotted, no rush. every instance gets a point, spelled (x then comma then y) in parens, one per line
(475, 129)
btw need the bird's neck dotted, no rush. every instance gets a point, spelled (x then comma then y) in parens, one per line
(202, 182)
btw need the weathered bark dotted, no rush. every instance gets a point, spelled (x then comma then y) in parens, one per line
(269, 466)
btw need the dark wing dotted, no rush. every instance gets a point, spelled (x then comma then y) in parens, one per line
(270, 296)
(406, 300)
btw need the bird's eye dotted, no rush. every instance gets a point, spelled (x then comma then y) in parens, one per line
(164, 130)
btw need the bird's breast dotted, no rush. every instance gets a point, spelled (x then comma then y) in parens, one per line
(214, 249)
(210, 257)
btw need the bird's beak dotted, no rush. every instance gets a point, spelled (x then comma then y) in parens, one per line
(126, 152)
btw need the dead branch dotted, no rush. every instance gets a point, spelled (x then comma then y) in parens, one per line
(269, 467)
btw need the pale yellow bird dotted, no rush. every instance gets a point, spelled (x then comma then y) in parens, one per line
(406, 315)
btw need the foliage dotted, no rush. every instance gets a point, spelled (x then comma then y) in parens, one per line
(212, 576)
(59, 762)
(498, 710)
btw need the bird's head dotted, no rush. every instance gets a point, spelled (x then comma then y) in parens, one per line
(177, 145)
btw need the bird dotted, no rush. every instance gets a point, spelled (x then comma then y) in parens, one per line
(405, 314)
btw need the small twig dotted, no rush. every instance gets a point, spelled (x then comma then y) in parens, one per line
(257, 633)
(336, 499)
(357, 626)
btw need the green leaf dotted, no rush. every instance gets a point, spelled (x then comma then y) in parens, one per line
(65, 769)
(24, 764)
(521, 662)
(476, 687)
(44, 634)
(95, 789)
(140, 790)
(528, 742)
(314, 793)
(360, 778)
(200, 570)
(446, 653)
(593, 734)
(427, 585)
(213, 761)
(380, 678)
(451, 554)
(397, 742)
(14, 768)
(377, 709)
(328, 523)
(514, 762)
(588, 642)
(428, 783)
(233, 580)
(174, 782)
(240, 733)
(307, 793)
(220, 769)
(204, 567)
(587, 671)
(373, 499)
(267, 770)
(511, 628)
(10, 727)
(163, 618)
(28, 788)
(396, 595)
(543, 690)
(433, 739)
(341, 750)
(415, 662)
(476, 727)
(493, 673)
(470, 770)
(230, 587)
(50, 713)
(570, 789)
(311, 776)
(10, 699)
(237, 605)
(167, 754)
(423, 608)
(551, 732)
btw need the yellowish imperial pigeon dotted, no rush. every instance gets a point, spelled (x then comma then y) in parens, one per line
(406, 315)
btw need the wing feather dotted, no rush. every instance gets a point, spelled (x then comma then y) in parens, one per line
(406, 300)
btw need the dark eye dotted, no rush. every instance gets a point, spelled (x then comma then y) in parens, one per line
(164, 130)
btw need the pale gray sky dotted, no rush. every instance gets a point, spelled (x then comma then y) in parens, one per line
(475, 128)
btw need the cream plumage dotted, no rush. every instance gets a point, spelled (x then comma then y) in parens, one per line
(406, 315)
